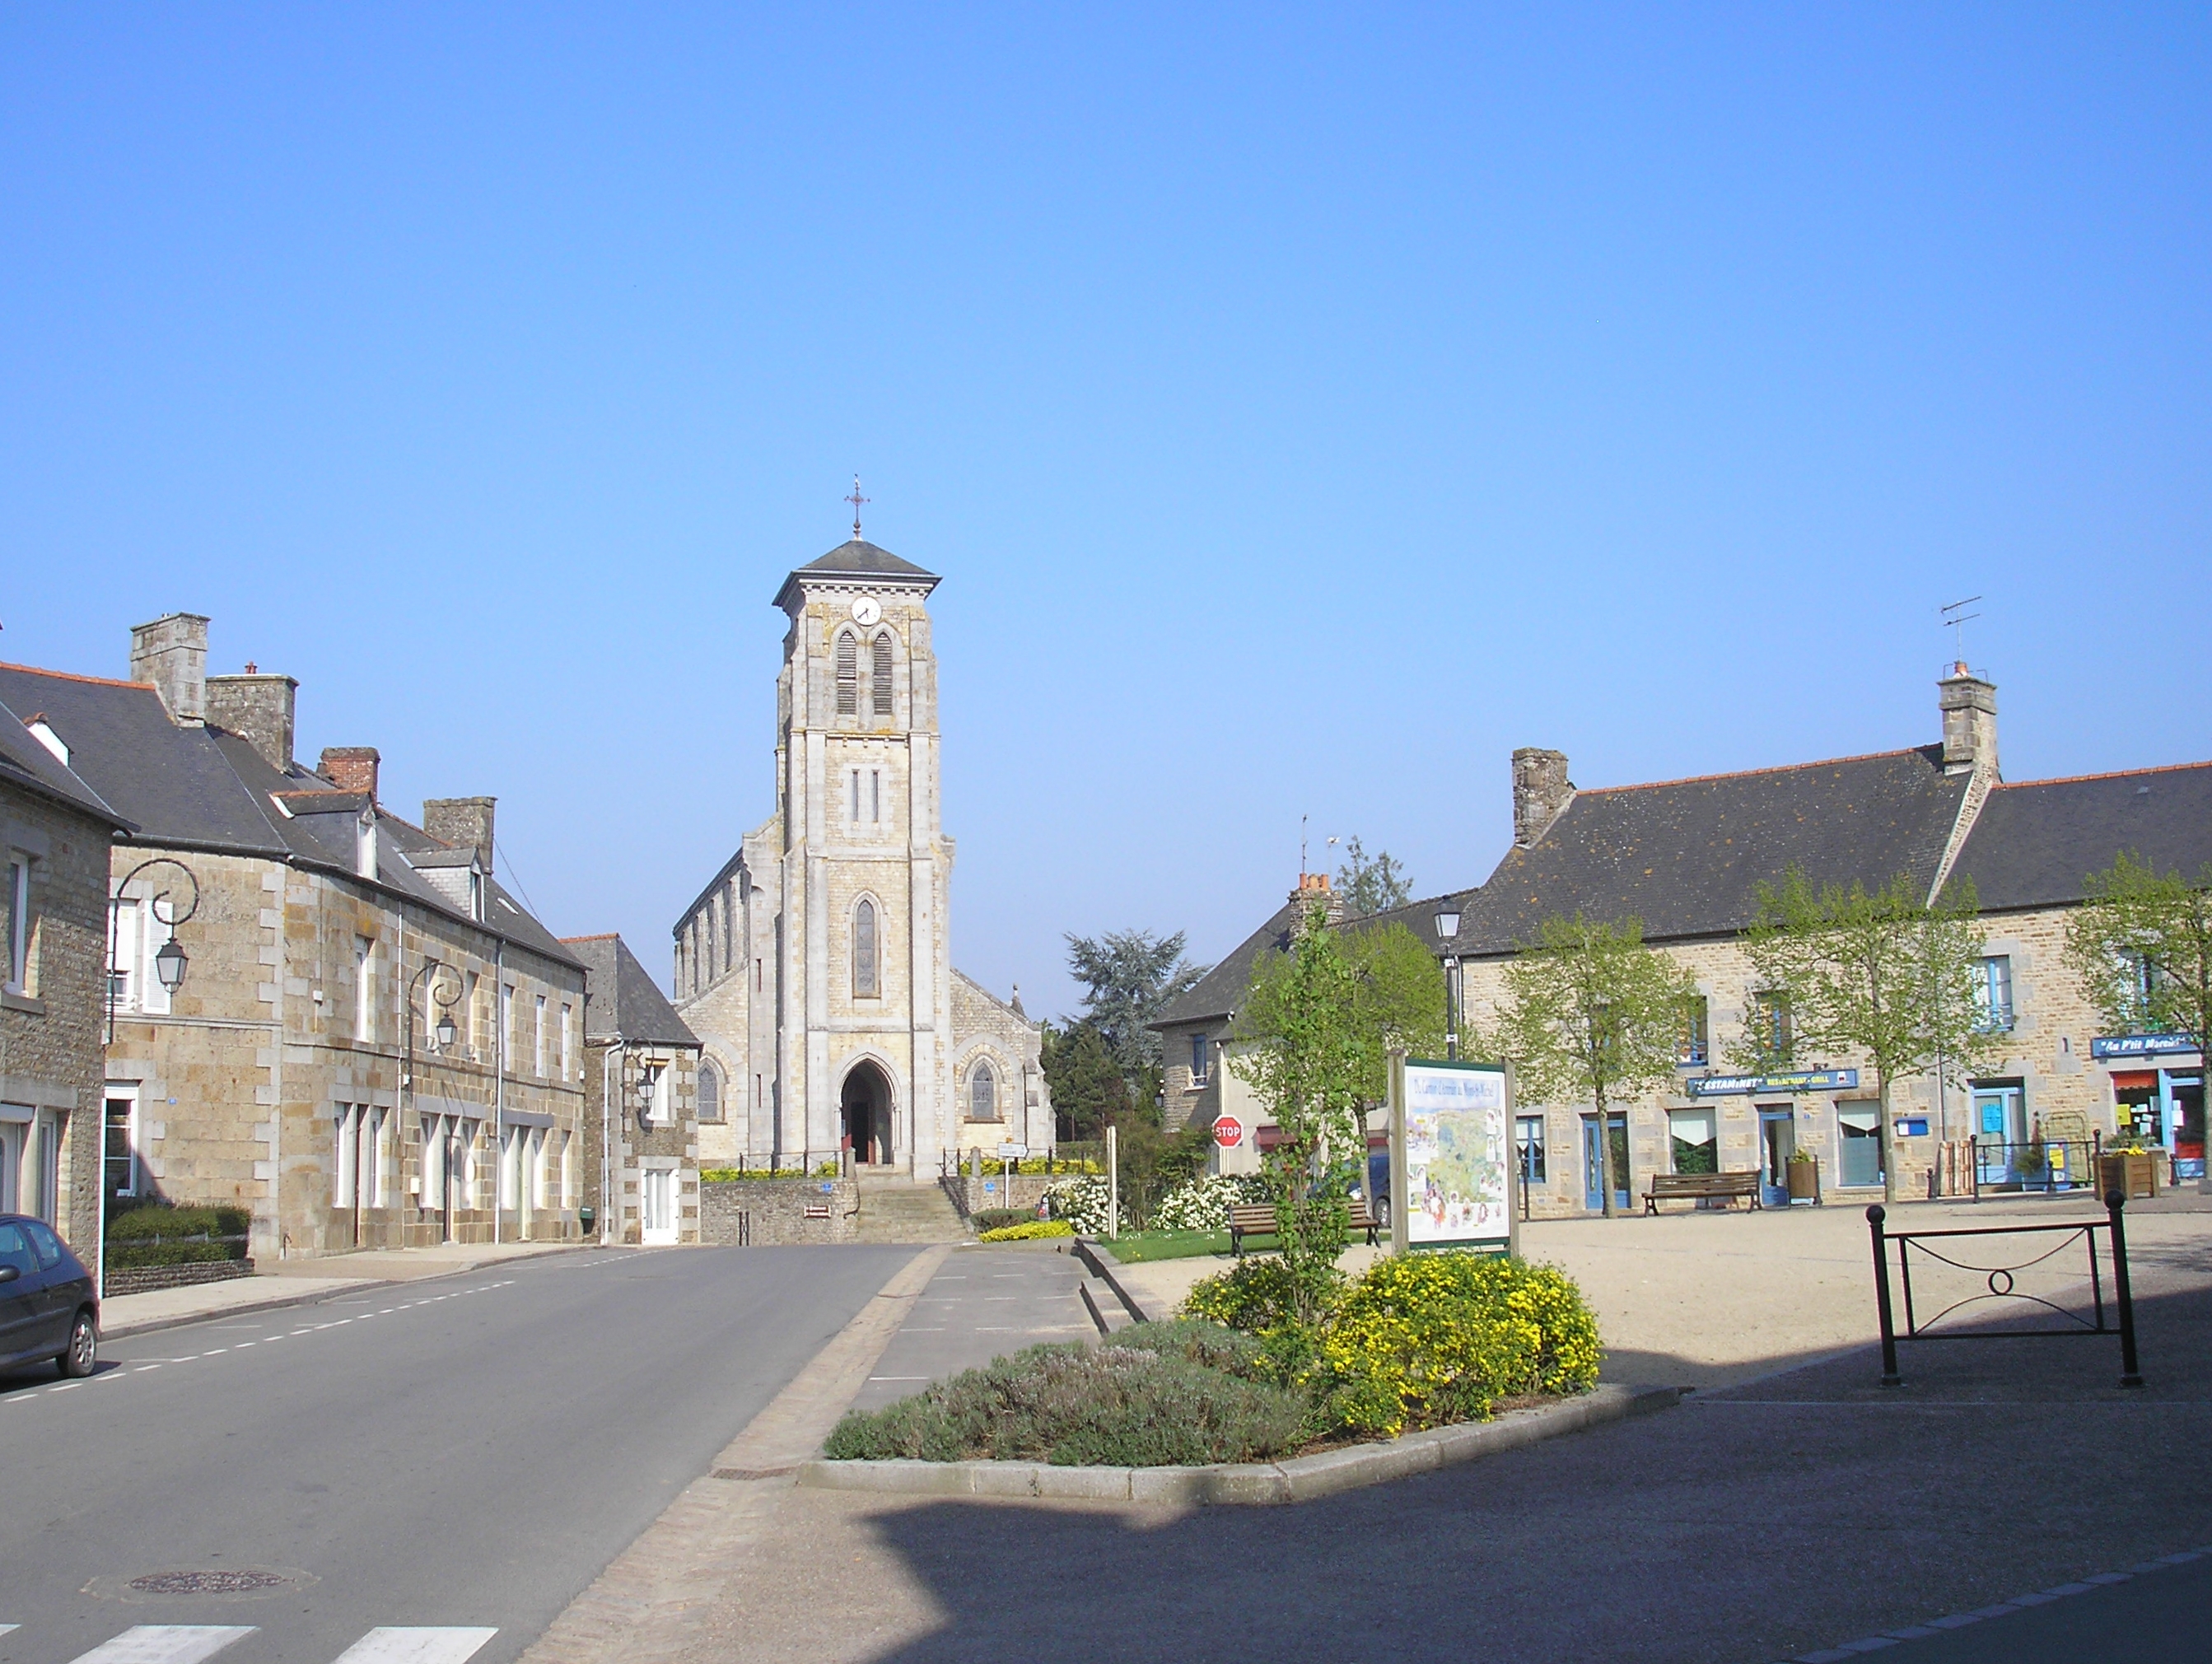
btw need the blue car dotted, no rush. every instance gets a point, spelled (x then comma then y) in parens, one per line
(49, 1309)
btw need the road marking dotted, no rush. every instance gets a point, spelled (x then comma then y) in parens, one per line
(415, 1646)
(939, 1329)
(4, 1628)
(901, 1377)
(165, 1643)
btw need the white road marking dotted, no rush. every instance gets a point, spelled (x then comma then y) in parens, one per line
(4, 1628)
(415, 1646)
(165, 1643)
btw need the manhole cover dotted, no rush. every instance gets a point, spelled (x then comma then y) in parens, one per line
(222, 1581)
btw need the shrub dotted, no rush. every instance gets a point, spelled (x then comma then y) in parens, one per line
(1028, 1232)
(158, 1219)
(1204, 1204)
(1425, 1340)
(1082, 1202)
(1254, 1294)
(998, 1219)
(1118, 1406)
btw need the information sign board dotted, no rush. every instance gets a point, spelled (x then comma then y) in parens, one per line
(1452, 1166)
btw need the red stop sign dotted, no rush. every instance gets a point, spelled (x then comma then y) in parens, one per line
(1228, 1132)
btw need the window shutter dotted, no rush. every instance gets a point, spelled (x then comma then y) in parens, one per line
(849, 675)
(880, 681)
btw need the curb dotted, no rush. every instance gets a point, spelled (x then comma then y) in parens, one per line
(1102, 1268)
(1301, 1479)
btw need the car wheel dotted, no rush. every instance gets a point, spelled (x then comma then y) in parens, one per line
(83, 1348)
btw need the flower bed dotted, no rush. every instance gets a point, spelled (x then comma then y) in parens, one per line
(1204, 1204)
(1029, 1231)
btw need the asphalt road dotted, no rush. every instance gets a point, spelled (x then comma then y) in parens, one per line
(461, 1454)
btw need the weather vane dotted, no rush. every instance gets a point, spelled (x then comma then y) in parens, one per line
(856, 499)
(1955, 618)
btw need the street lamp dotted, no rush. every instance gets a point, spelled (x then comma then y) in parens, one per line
(170, 965)
(1448, 933)
(444, 995)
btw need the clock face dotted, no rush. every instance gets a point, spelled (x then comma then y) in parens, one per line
(865, 610)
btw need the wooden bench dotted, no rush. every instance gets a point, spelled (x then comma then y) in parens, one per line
(1698, 1186)
(1259, 1220)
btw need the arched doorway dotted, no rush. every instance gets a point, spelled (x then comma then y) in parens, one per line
(865, 1100)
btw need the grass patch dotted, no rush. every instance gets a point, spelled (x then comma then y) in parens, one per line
(1138, 1246)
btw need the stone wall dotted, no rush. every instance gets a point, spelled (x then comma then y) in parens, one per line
(1021, 1190)
(763, 1212)
(145, 1280)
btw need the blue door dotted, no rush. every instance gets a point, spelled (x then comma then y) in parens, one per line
(1592, 1197)
(1777, 1143)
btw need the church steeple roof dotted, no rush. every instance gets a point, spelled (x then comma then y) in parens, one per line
(855, 558)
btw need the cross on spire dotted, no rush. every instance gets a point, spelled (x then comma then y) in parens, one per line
(856, 499)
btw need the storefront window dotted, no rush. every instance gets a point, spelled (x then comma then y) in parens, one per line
(1696, 1143)
(1858, 1155)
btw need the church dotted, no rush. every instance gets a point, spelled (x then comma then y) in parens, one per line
(816, 968)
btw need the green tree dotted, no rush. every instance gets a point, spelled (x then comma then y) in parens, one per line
(1088, 1092)
(2143, 948)
(1128, 975)
(1592, 1015)
(1885, 973)
(1370, 886)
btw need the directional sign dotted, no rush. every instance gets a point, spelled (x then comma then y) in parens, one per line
(1228, 1132)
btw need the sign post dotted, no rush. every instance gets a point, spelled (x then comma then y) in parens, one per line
(1453, 1178)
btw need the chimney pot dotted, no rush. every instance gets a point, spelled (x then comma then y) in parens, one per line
(1542, 793)
(464, 823)
(170, 652)
(351, 769)
(258, 709)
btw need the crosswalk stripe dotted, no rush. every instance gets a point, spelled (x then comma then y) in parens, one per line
(415, 1646)
(165, 1643)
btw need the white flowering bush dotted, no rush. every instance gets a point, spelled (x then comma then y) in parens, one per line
(1082, 1202)
(1204, 1204)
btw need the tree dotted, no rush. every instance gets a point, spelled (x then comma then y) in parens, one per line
(1129, 976)
(1368, 887)
(1884, 974)
(1592, 1015)
(1088, 1091)
(2143, 948)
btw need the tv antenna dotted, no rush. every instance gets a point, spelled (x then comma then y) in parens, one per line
(1956, 619)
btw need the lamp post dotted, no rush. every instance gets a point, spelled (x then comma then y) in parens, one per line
(444, 1033)
(170, 964)
(1448, 933)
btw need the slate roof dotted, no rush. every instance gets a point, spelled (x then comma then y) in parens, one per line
(1687, 857)
(28, 765)
(182, 787)
(1216, 996)
(2034, 843)
(856, 558)
(622, 1002)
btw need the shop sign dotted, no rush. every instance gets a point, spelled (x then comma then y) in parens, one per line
(1802, 1080)
(2139, 1045)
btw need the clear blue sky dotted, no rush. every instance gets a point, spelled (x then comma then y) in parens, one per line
(1304, 407)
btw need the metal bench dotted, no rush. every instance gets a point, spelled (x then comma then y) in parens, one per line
(1701, 1186)
(1259, 1220)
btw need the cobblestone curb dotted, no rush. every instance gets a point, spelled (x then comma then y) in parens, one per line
(1301, 1479)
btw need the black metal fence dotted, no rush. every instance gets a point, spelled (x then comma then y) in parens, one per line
(2000, 1284)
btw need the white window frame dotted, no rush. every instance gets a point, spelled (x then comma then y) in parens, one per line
(364, 990)
(537, 1040)
(1991, 970)
(122, 1091)
(568, 1030)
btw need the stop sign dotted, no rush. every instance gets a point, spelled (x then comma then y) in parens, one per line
(1228, 1132)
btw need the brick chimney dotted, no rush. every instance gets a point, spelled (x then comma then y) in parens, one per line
(464, 823)
(259, 710)
(170, 652)
(1314, 887)
(1542, 793)
(1969, 705)
(351, 769)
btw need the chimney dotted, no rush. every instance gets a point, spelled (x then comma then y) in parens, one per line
(1314, 887)
(1542, 793)
(259, 710)
(170, 652)
(1969, 722)
(351, 769)
(464, 823)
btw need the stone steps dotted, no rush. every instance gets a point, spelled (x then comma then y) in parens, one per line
(900, 1210)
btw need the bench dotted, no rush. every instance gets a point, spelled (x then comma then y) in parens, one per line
(1259, 1220)
(1699, 1187)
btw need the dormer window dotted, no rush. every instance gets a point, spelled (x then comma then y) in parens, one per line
(365, 846)
(475, 896)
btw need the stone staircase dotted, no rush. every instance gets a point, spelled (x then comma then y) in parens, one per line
(895, 1208)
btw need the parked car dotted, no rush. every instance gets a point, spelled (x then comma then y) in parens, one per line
(49, 1309)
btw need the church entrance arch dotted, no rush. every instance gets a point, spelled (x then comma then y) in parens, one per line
(866, 1102)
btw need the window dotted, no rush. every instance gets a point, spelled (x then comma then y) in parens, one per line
(708, 917)
(537, 1040)
(1858, 1157)
(710, 1092)
(982, 1094)
(1693, 1050)
(864, 983)
(567, 1029)
(856, 796)
(729, 935)
(506, 1023)
(16, 926)
(1200, 1055)
(470, 1015)
(849, 675)
(1695, 1143)
(432, 1163)
(875, 795)
(345, 1173)
(133, 939)
(121, 1154)
(879, 682)
(364, 1000)
(1767, 1028)
(1993, 993)
(1528, 1137)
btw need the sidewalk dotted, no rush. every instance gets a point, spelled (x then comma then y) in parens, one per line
(297, 1282)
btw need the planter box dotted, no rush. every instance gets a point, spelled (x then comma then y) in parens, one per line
(1804, 1181)
(2131, 1176)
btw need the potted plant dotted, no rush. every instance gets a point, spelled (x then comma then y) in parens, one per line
(1804, 1176)
(2131, 1168)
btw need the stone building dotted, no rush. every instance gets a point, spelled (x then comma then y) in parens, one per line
(641, 1101)
(1686, 858)
(55, 831)
(816, 967)
(302, 1070)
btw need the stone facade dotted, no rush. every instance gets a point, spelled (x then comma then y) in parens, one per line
(816, 968)
(770, 1212)
(641, 1148)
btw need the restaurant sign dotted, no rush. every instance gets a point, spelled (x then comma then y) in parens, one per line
(1801, 1080)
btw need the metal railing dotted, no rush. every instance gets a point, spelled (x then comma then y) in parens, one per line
(2000, 1284)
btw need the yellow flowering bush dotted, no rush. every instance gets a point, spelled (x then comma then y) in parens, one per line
(1426, 1340)
(1028, 1232)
